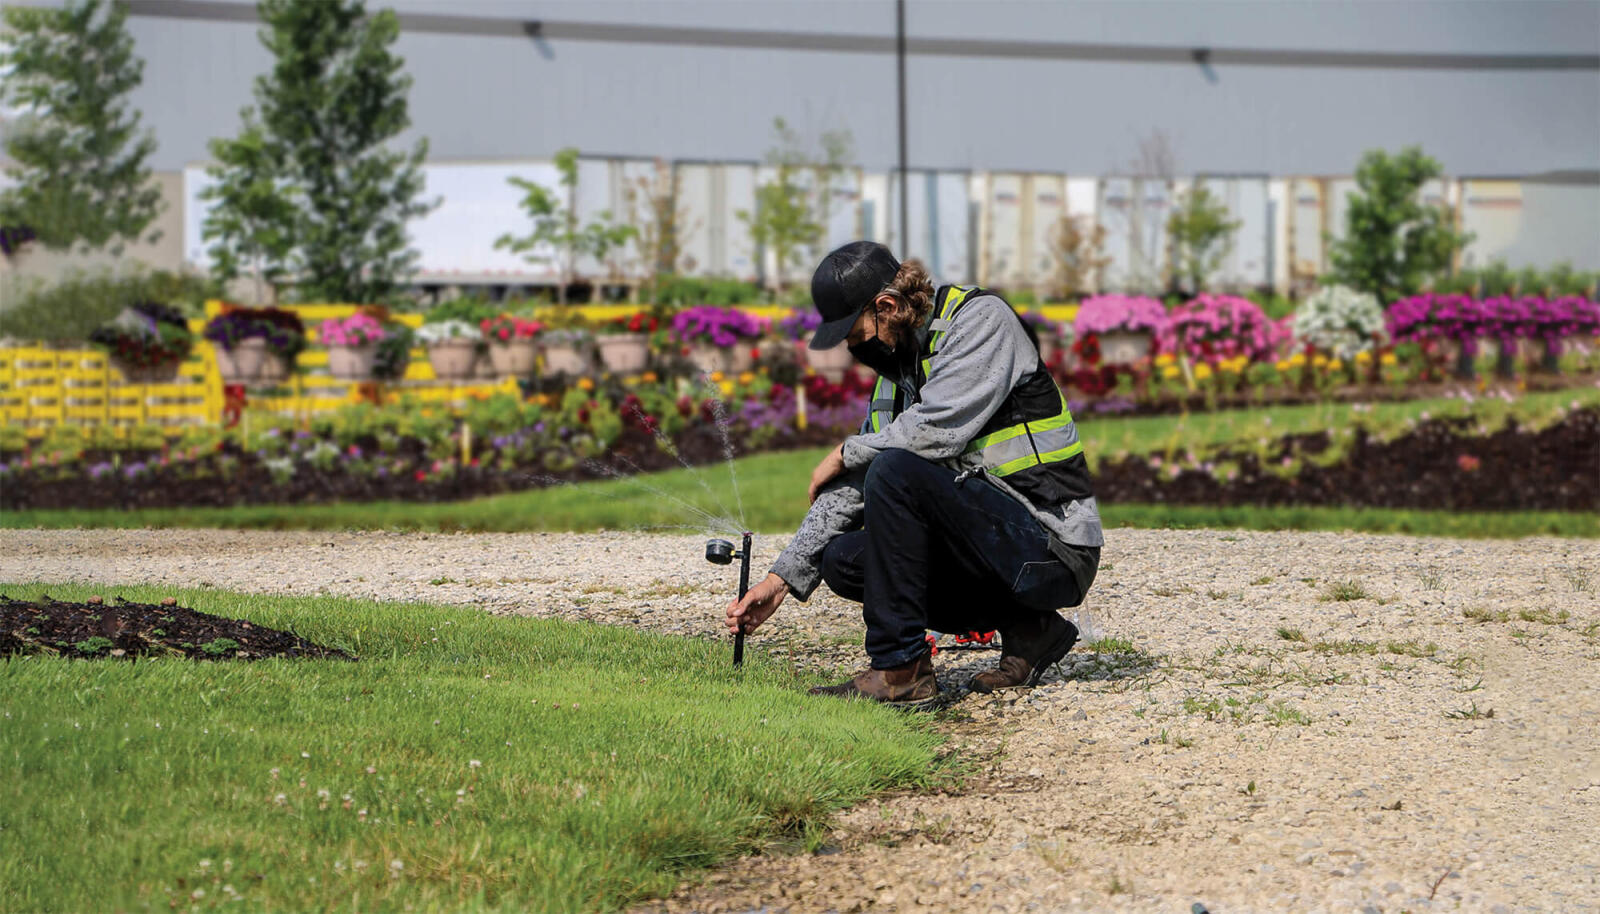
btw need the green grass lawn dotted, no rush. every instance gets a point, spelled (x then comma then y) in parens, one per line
(466, 762)
(772, 489)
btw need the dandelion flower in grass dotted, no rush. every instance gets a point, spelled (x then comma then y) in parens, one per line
(474, 764)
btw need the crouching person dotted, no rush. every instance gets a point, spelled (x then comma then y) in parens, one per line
(964, 504)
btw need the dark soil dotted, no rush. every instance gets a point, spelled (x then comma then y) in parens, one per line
(1440, 465)
(127, 630)
(204, 483)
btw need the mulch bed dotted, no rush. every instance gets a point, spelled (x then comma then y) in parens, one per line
(122, 629)
(1511, 469)
(249, 482)
(1439, 465)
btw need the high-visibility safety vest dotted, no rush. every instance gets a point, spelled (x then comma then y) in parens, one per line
(1031, 440)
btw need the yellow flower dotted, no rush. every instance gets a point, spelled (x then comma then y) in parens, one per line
(1202, 371)
(1169, 372)
(1335, 365)
(746, 378)
(1165, 359)
(727, 387)
(1296, 360)
(585, 384)
(1283, 365)
(1388, 358)
(648, 377)
(716, 376)
(1319, 360)
(1363, 357)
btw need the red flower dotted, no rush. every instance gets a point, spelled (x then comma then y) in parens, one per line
(1468, 463)
(421, 475)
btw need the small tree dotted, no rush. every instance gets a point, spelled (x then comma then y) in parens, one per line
(658, 221)
(1078, 245)
(555, 224)
(81, 170)
(251, 221)
(1202, 235)
(1393, 242)
(785, 219)
(328, 110)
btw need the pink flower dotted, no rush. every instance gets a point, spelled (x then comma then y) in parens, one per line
(1468, 463)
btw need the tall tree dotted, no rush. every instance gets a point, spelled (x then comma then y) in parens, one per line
(251, 221)
(1394, 242)
(1202, 235)
(81, 170)
(329, 110)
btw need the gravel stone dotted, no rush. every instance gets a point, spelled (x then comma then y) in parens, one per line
(1254, 717)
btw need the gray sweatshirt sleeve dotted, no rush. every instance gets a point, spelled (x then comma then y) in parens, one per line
(982, 356)
(838, 509)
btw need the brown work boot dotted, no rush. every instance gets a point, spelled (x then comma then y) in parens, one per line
(1027, 650)
(911, 685)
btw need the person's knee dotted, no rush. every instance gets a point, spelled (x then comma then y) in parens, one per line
(894, 470)
(841, 569)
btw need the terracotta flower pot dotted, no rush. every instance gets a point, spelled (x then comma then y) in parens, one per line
(453, 360)
(245, 363)
(352, 363)
(567, 359)
(1123, 347)
(625, 353)
(830, 363)
(514, 358)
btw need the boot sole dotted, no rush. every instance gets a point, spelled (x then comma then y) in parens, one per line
(1053, 656)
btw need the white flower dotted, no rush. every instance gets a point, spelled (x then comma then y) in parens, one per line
(305, 755)
(280, 799)
(474, 764)
(396, 865)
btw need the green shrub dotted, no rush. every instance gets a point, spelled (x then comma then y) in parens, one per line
(72, 308)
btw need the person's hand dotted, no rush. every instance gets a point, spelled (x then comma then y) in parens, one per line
(831, 466)
(759, 603)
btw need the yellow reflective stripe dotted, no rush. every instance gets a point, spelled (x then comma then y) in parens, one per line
(1022, 463)
(1059, 420)
(884, 389)
(952, 299)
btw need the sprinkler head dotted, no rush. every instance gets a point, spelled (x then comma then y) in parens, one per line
(719, 552)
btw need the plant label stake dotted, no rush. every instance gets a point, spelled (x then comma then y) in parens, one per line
(721, 552)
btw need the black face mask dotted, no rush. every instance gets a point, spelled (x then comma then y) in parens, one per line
(875, 353)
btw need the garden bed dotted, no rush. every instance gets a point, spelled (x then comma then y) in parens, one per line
(1440, 464)
(97, 629)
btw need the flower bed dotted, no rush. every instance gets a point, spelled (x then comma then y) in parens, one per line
(414, 452)
(1437, 464)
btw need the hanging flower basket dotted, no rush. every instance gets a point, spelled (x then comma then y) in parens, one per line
(624, 353)
(718, 339)
(255, 345)
(567, 354)
(513, 345)
(146, 342)
(352, 345)
(452, 347)
(624, 343)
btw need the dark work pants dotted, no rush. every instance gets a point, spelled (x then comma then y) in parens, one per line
(951, 557)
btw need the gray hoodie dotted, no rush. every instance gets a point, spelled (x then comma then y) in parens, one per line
(983, 356)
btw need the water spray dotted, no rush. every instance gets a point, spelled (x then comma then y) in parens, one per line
(721, 552)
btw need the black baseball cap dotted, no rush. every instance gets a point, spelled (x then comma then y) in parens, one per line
(846, 282)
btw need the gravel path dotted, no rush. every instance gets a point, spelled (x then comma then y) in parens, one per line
(1271, 721)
